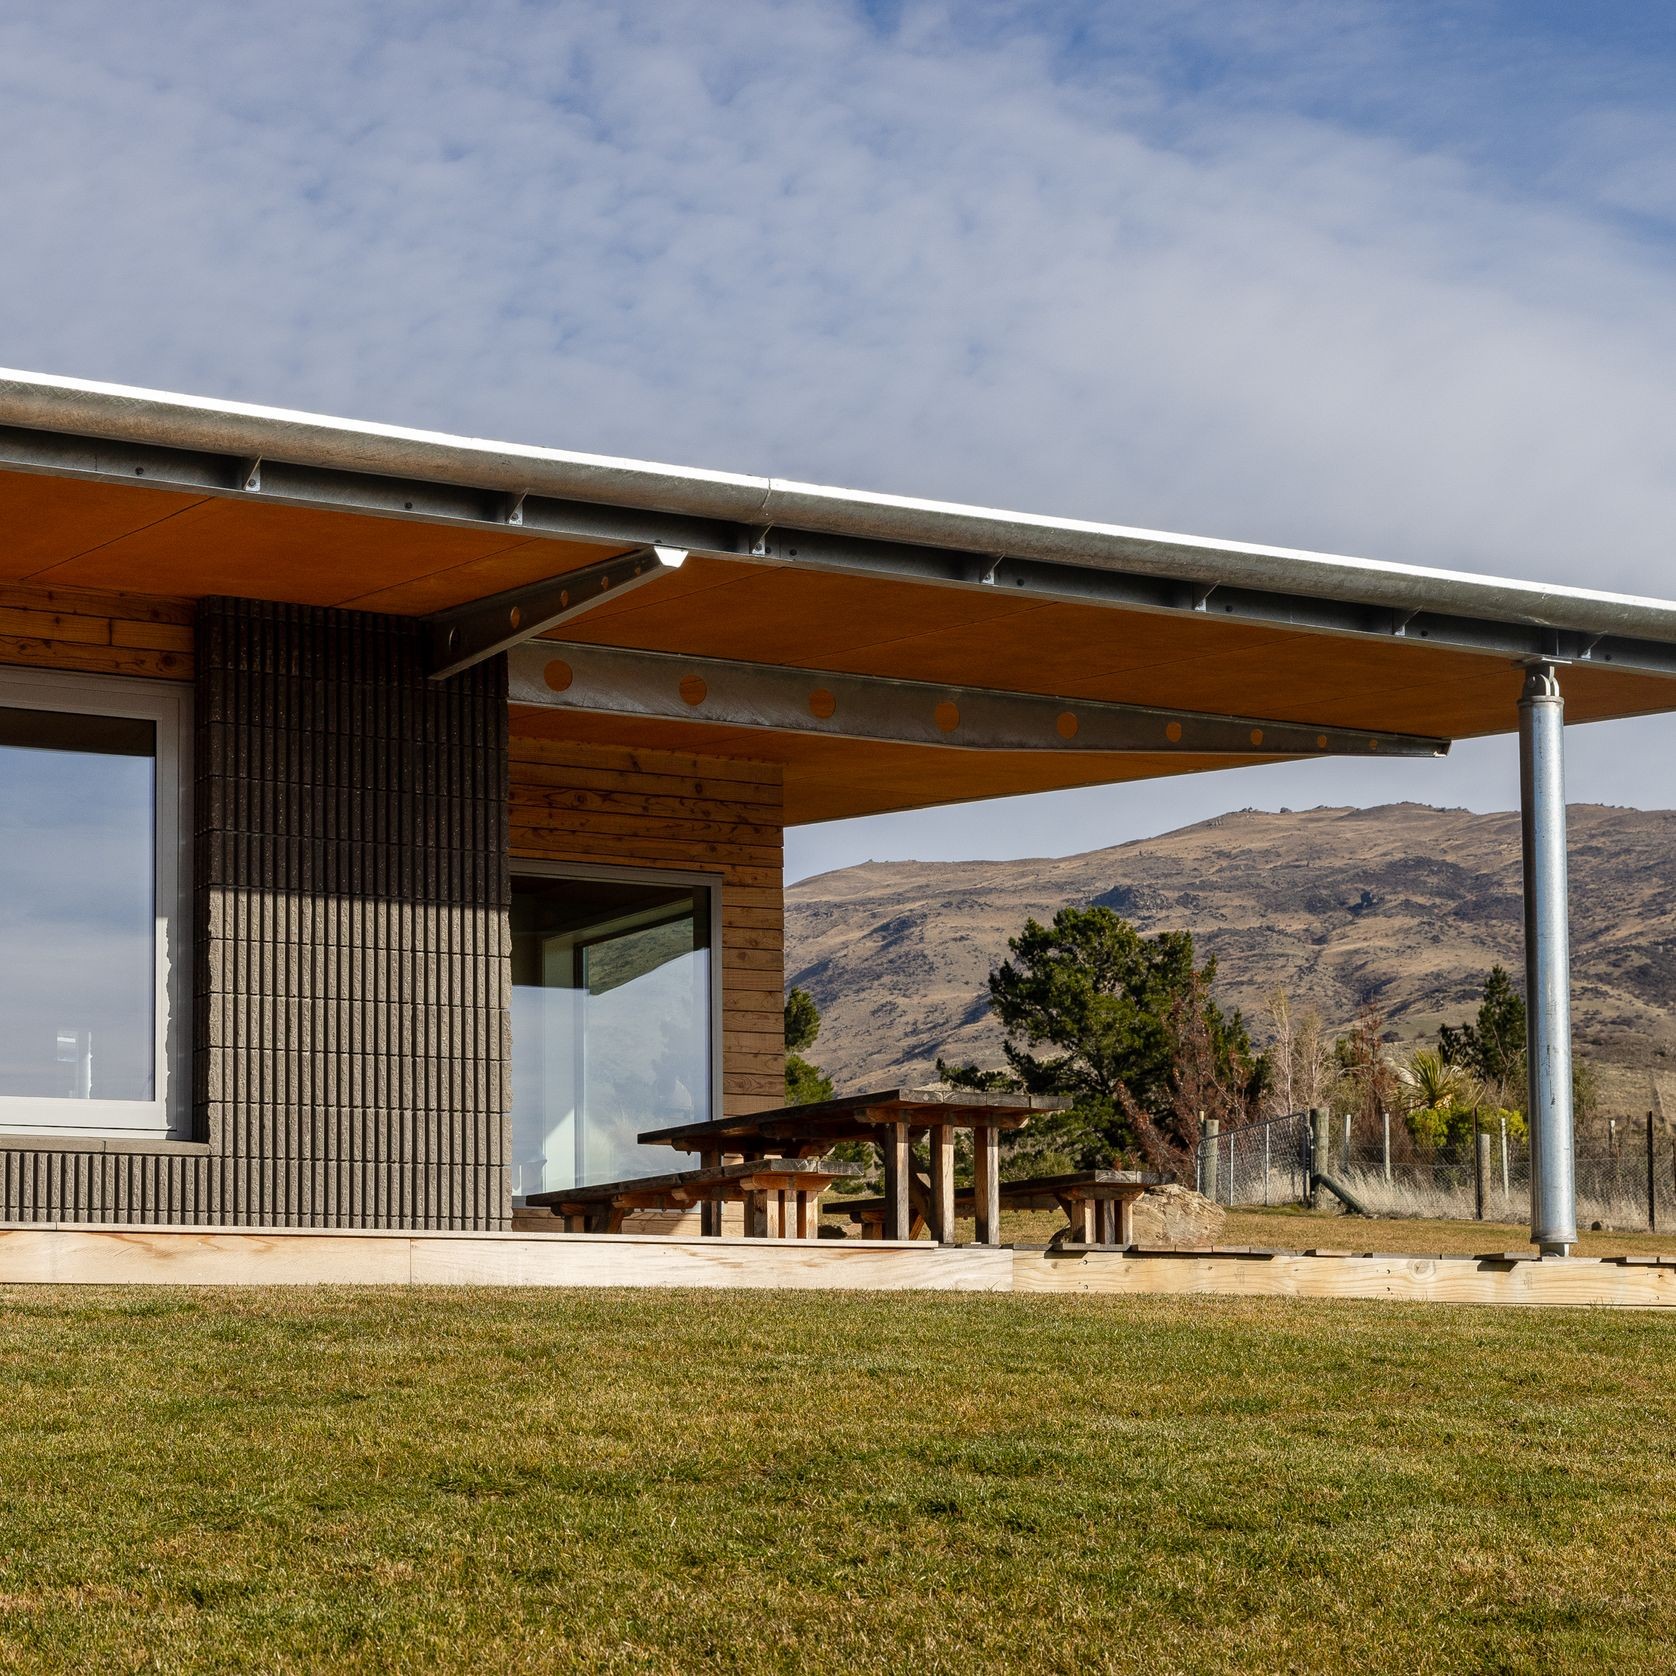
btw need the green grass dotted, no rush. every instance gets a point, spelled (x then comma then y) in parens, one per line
(354, 1481)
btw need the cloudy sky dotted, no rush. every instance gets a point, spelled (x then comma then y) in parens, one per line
(1396, 280)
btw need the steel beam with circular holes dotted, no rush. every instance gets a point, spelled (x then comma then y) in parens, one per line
(670, 687)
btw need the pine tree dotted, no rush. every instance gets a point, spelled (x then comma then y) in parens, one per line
(1126, 1014)
(1492, 1047)
(805, 1083)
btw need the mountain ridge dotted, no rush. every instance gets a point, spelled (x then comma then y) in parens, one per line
(1404, 906)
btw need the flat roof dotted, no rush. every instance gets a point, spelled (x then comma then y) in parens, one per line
(110, 488)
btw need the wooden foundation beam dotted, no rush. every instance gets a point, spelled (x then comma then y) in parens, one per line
(132, 1255)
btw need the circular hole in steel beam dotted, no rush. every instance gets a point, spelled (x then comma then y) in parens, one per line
(1373, 744)
(1320, 741)
(693, 690)
(946, 716)
(1256, 736)
(822, 703)
(558, 675)
(564, 598)
(515, 618)
(1066, 726)
(1172, 732)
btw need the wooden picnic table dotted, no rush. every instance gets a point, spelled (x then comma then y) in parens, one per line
(1098, 1204)
(892, 1118)
(781, 1195)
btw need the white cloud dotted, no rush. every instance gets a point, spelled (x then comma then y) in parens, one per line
(1301, 273)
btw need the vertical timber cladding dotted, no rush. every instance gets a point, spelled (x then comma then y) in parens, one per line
(351, 971)
(618, 806)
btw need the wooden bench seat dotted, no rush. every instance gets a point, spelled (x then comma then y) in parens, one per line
(1096, 1203)
(780, 1195)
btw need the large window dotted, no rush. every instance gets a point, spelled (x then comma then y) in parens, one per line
(92, 929)
(613, 1023)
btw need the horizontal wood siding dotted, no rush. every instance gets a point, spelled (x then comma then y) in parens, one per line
(621, 807)
(99, 633)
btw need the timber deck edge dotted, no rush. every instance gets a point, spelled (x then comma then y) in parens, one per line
(82, 1255)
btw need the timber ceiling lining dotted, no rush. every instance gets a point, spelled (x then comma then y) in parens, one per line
(65, 534)
(58, 532)
(912, 631)
(46, 520)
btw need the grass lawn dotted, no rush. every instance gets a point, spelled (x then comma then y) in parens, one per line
(273, 1481)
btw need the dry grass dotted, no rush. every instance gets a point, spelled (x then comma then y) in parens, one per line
(1615, 1198)
(1294, 1229)
(1300, 1230)
(504, 1481)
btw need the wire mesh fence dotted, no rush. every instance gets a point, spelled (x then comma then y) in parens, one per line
(1258, 1164)
(1625, 1179)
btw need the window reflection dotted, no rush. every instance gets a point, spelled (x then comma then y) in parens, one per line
(610, 1025)
(78, 912)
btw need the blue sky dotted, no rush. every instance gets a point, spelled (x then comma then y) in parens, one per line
(1388, 279)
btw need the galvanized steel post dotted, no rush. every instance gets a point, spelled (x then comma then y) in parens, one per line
(1547, 961)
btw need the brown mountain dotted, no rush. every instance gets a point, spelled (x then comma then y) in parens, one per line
(1403, 906)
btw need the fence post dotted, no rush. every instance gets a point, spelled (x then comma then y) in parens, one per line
(1315, 1133)
(1385, 1119)
(1480, 1147)
(1267, 1129)
(1652, 1183)
(1212, 1130)
(1344, 1151)
(1506, 1185)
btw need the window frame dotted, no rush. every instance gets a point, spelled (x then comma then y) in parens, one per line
(168, 1114)
(694, 879)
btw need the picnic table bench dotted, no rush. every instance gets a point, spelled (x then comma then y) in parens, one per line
(1098, 1204)
(780, 1195)
(893, 1118)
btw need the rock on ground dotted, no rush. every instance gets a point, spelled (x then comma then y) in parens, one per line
(1177, 1216)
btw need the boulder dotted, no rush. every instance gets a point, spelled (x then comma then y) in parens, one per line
(1177, 1216)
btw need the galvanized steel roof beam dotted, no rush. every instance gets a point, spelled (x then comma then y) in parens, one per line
(668, 687)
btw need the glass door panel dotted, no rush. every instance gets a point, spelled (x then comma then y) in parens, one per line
(611, 1025)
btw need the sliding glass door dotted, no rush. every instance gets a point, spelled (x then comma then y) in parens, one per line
(612, 1024)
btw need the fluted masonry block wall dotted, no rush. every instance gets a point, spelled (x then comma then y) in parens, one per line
(350, 1037)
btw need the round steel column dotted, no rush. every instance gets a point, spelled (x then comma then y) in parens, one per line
(1547, 961)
